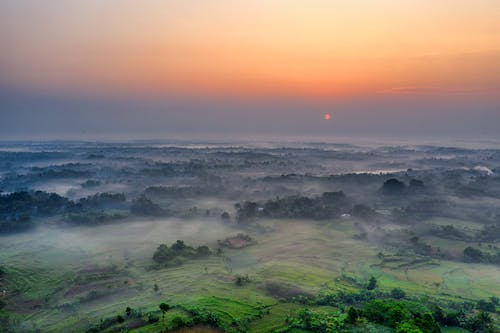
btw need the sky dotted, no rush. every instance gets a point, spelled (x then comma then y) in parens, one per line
(160, 68)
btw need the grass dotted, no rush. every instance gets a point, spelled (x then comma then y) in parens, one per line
(308, 255)
(274, 319)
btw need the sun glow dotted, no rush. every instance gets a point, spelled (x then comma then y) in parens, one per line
(269, 48)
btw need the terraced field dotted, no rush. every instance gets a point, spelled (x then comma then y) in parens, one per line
(63, 286)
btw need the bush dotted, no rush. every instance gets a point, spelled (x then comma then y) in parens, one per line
(398, 293)
(472, 254)
(372, 283)
(153, 318)
(408, 328)
(178, 322)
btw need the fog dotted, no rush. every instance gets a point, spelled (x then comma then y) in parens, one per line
(107, 244)
(88, 229)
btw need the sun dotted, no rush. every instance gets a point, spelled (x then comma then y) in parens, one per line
(327, 116)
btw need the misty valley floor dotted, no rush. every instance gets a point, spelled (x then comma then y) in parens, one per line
(284, 226)
(303, 254)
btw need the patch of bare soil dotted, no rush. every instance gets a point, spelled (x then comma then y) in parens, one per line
(237, 242)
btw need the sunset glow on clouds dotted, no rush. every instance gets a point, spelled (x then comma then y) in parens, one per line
(188, 65)
(326, 48)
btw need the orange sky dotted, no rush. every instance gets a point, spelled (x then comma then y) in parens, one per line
(252, 47)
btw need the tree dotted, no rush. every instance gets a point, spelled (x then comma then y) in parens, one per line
(156, 288)
(486, 306)
(397, 313)
(163, 254)
(164, 307)
(352, 315)
(408, 328)
(481, 322)
(438, 314)
(178, 246)
(142, 206)
(398, 293)
(242, 280)
(225, 217)
(416, 185)
(246, 212)
(178, 322)
(473, 254)
(128, 311)
(120, 319)
(372, 283)
(203, 251)
(393, 187)
(427, 323)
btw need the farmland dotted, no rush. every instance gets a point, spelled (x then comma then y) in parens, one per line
(229, 240)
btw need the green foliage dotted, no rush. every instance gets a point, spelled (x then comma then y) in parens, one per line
(404, 316)
(473, 254)
(484, 305)
(393, 187)
(319, 321)
(164, 307)
(241, 280)
(100, 200)
(203, 251)
(328, 205)
(142, 206)
(426, 323)
(178, 322)
(225, 217)
(17, 208)
(170, 256)
(179, 247)
(372, 283)
(93, 217)
(352, 315)
(153, 318)
(408, 328)
(246, 212)
(480, 323)
(398, 293)
(385, 312)
(163, 254)
(344, 298)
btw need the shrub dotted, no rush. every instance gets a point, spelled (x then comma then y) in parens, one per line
(398, 293)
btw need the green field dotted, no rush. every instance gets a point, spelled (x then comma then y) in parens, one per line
(66, 280)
